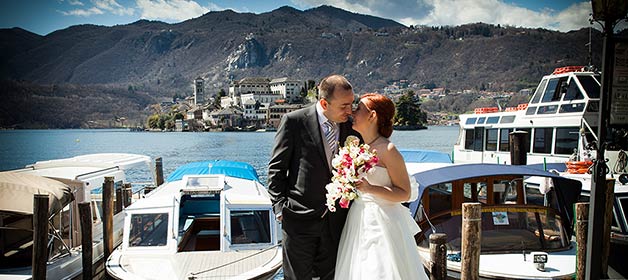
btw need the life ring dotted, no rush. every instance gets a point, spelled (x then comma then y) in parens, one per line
(578, 167)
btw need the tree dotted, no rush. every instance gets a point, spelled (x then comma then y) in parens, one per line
(219, 95)
(153, 121)
(408, 110)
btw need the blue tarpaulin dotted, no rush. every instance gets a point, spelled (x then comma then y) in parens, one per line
(228, 168)
(419, 156)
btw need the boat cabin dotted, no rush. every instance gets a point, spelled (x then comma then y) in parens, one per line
(202, 213)
(516, 215)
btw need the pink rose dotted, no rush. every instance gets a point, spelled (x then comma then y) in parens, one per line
(344, 203)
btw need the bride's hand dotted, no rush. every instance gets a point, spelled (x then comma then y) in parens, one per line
(363, 186)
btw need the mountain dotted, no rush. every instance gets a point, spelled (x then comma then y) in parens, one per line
(158, 59)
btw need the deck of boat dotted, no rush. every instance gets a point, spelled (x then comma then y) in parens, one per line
(200, 264)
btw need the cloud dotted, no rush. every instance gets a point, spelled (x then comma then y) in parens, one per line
(75, 3)
(176, 10)
(113, 7)
(83, 12)
(457, 12)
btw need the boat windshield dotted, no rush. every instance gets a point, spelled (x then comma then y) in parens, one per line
(590, 85)
(17, 240)
(505, 228)
(250, 226)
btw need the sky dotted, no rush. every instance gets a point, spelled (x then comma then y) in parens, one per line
(45, 16)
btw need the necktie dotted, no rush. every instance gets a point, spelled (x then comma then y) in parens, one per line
(330, 136)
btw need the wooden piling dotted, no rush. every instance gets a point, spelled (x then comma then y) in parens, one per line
(128, 194)
(40, 236)
(471, 236)
(118, 200)
(438, 255)
(608, 216)
(85, 216)
(159, 172)
(582, 223)
(518, 144)
(107, 218)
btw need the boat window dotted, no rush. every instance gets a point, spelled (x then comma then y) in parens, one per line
(623, 202)
(491, 139)
(549, 109)
(538, 92)
(615, 221)
(572, 108)
(593, 106)
(148, 229)
(469, 192)
(534, 196)
(507, 119)
(197, 206)
(542, 140)
(482, 188)
(573, 92)
(439, 198)
(478, 141)
(504, 139)
(590, 85)
(468, 138)
(566, 140)
(16, 240)
(470, 121)
(531, 110)
(505, 191)
(250, 226)
(492, 120)
(552, 92)
(481, 120)
(505, 229)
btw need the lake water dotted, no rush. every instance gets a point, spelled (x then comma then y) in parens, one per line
(21, 147)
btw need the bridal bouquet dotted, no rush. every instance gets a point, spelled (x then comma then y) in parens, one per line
(353, 162)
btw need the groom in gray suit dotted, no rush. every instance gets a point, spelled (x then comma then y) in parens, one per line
(299, 169)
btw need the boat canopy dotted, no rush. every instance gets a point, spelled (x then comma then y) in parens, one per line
(228, 168)
(18, 189)
(567, 190)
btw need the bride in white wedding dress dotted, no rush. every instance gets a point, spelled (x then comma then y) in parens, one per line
(378, 237)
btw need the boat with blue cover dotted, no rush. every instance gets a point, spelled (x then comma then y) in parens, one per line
(211, 219)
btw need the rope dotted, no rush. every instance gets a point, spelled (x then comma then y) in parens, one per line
(428, 220)
(230, 263)
(622, 161)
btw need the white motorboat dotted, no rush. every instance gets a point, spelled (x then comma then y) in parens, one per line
(80, 180)
(212, 219)
(561, 120)
(522, 236)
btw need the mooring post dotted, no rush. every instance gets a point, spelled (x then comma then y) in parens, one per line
(85, 216)
(107, 209)
(159, 172)
(438, 255)
(518, 145)
(471, 236)
(608, 218)
(582, 223)
(119, 200)
(40, 236)
(128, 194)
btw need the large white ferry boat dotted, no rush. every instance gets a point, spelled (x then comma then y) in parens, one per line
(561, 120)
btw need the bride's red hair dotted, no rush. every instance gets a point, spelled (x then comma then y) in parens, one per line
(385, 109)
